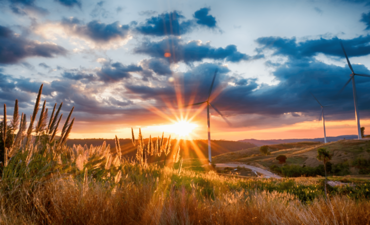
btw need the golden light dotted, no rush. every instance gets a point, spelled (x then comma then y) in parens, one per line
(167, 54)
(181, 128)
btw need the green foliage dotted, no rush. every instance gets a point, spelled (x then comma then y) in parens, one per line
(362, 164)
(340, 169)
(307, 171)
(281, 158)
(264, 149)
(323, 155)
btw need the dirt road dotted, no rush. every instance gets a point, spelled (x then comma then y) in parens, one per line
(266, 174)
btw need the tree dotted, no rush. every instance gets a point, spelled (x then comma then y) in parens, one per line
(324, 156)
(281, 158)
(264, 149)
(362, 132)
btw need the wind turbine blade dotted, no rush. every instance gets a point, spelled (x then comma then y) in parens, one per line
(220, 114)
(345, 85)
(199, 103)
(362, 75)
(349, 64)
(213, 81)
(316, 99)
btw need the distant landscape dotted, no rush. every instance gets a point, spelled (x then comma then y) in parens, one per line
(281, 141)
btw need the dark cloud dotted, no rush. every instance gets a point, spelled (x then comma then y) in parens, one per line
(365, 17)
(14, 48)
(78, 75)
(159, 66)
(165, 24)
(203, 18)
(70, 3)
(117, 71)
(359, 46)
(23, 7)
(96, 31)
(191, 51)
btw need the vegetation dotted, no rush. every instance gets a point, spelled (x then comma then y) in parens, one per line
(264, 149)
(362, 164)
(324, 156)
(281, 158)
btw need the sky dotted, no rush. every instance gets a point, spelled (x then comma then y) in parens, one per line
(138, 64)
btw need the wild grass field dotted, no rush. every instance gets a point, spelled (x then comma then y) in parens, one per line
(44, 181)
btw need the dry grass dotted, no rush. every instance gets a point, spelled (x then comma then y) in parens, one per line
(66, 200)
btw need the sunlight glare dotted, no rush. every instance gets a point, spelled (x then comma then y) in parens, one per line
(181, 128)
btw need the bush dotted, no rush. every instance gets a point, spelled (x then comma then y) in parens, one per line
(281, 158)
(362, 164)
(340, 169)
(307, 171)
(264, 149)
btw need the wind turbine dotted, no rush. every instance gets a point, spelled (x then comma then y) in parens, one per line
(208, 102)
(322, 116)
(353, 74)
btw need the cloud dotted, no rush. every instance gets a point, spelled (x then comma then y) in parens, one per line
(191, 51)
(96, 31)
(318, 10)
(70, 3)
(78, 75)
(117, 71)
(14, 48)
(165, 24)
(159, 66)
(147, 13)
(24, 7)
(365, 17)
(43, 65)
(359, 46)
(203, 18)
(99, 10)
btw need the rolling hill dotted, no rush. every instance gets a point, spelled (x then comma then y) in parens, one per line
(190, 149)
(281, 141)
(301, 153)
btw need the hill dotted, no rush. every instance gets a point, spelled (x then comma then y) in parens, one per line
(281, 141)
(302, 154)
(190, 149)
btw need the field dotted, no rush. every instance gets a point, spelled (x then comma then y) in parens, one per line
(302, 154)
(191, 149)
(41, 189)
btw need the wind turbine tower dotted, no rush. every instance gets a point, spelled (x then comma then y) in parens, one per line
(352, 78)
(208, 102)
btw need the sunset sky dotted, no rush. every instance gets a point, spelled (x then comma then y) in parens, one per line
(125, 64)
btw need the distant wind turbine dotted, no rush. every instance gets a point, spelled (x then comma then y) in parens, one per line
(322, 117)
(208, 102)
(353, 74)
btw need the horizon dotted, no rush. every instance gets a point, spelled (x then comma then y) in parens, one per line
(130, 64)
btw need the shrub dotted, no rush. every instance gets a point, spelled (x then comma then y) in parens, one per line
(340, 169)
(362, 164)
(281, 158)
(264, 149)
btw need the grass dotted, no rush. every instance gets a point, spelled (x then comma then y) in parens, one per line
(52, 192)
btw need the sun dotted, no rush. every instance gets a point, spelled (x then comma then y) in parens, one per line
(180, 128)
(183, 128)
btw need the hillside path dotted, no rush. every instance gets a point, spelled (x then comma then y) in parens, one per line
(266, 173)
